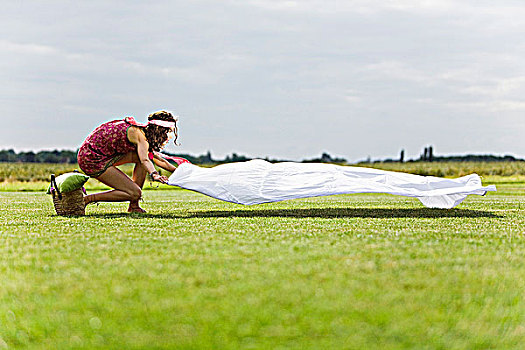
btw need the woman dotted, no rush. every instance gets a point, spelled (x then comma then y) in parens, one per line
(126, 141)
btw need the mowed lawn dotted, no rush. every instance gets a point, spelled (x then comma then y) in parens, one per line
(340, 272)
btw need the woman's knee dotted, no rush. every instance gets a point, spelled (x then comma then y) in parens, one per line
(135, 193)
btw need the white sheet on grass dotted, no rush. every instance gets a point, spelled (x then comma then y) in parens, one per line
(258, 181)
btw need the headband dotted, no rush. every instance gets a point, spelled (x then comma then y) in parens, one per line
(163, 123)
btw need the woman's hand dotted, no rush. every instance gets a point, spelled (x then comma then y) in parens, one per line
(155, 176)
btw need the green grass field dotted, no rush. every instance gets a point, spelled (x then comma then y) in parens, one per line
(351, 271)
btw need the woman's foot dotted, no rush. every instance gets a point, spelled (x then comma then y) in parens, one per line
(88, 199)
(135, 209)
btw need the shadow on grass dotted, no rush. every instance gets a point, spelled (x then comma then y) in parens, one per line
(313, 213)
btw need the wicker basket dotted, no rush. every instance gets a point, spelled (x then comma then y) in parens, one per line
(68, 203)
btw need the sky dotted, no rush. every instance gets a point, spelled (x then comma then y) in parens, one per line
(283, 79)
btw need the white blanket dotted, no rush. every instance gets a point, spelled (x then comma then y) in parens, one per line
(258, 181)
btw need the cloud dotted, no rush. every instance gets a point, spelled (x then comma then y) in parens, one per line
(282, 78)
(26, 49)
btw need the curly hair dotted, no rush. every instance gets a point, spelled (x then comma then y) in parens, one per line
(158, 135)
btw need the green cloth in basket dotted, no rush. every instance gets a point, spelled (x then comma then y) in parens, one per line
(69, 182)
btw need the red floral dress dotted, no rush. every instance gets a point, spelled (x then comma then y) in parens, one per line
(106, 145)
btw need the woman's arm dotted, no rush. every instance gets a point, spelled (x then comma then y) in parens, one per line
(137, 137)
(163, 163)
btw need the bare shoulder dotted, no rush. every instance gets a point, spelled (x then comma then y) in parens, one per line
(136, 135)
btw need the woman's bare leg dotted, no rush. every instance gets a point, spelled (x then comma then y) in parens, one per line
(139, 176)
(124, 188)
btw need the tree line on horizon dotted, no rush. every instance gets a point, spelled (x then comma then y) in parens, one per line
(428, 156)
(70, 157)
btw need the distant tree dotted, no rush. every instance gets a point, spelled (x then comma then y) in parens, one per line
(48, 157)
(235, 158)
(326, 158)
(207, 158)
(27, 157)
(8, 156)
